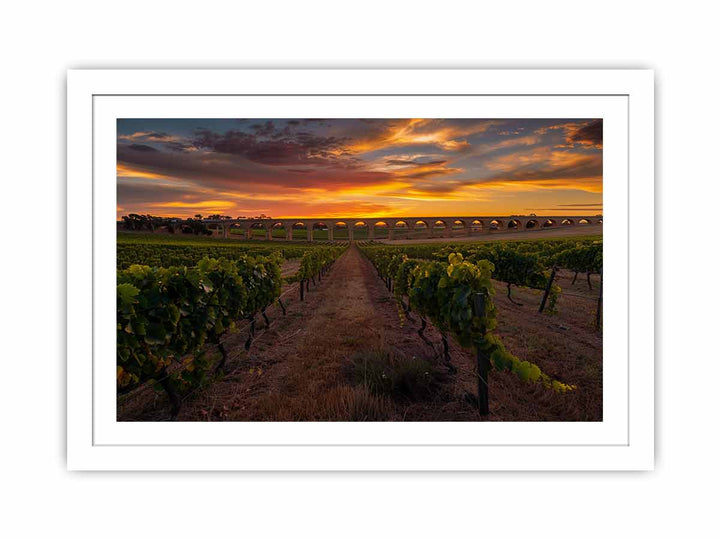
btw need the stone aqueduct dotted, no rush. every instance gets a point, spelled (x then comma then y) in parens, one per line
(450, 226)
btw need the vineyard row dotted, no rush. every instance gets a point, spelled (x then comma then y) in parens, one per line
(166, 316)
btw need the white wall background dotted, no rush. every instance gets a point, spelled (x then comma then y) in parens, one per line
(40, 40)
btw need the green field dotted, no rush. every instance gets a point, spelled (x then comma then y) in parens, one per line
(163, 250)
(190, 240)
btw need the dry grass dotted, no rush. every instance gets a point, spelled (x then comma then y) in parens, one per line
(342, 403)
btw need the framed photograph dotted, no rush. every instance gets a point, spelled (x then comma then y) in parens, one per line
(360, 270)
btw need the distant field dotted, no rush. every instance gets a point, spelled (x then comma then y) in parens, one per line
(318, 234)
(186, 250)
(263, 246)
(189, 240)
(580, 231)
(400, 235)
(509, 238)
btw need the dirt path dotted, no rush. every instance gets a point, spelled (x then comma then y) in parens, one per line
(305, 365)
(299, 369)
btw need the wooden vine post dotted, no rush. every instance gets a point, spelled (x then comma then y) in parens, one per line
(547, 290)
(483, 362)
(169, 387)
(598, 314)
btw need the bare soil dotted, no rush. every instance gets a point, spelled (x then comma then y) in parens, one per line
(297, 368)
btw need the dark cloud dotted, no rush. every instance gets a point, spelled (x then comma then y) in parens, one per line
(588, 135)
(264, 130)
(438, 188)
(437, 162)
(219, 171)
(421, 168)
(277, 147)
(427, 173)
(134, 192)
(142, 148)
(178, 146)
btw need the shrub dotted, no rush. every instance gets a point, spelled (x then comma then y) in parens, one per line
(384, 372)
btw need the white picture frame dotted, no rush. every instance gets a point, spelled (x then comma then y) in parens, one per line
(624, 440)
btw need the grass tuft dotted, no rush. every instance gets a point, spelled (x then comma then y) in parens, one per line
(384, 372)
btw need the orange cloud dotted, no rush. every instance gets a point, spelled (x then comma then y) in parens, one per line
(215, 205)
(586, 134)
(151, 136)
(124, 171)
(417, 131)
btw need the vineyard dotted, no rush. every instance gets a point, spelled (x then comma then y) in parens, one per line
(156, 250)
(212, 329)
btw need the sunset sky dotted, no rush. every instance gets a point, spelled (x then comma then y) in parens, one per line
(352, 168)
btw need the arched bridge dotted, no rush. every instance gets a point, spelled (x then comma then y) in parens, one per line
(393, 227)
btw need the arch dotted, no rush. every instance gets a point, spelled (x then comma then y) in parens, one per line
(319, 231)
(599, 221)
(420, 224)
(497, 224)
(257, 229)
(549, 223)
(400, 226)
(477, 225)
(278, 230)
(532, 224)
(380, 229)
(567, 222)
(584, 221)
(339, 230)
(299, 230)
(441, 226)
(360, 230)
(514, 224)
(237, 228)
(458, 225)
